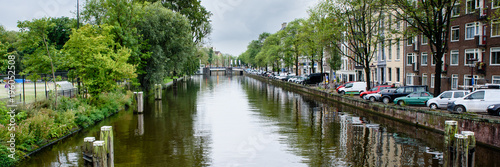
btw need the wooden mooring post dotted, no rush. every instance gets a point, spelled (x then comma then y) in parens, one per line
(158, 89)
(87, 149)
(99, 155)
(471, 148)
(459, 147)
(450, 129)
(107, 137)
(140, 101)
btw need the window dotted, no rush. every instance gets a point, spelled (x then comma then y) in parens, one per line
(495, 3)
(477, 95)
(409, 41)
(409, 78)
(432, 80)
(424, 58)
(456, 9)
(447, 95)
(495, 56)
(470, 54)
(409, 59)
(455, 33)
(398, 50)
(424, 94)
(495, 79)
(389, 54)
(470, 31)
(495, 28)
(454, 81)
(454, 57)
(470, 6)
(467, 80)
(389, 73)
(425, 40)
(409, 90)
(424, 79)
(459, 94)
(398, 72)
(400, 90)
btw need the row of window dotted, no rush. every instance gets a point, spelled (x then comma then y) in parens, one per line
(454, 80)
(470, 54)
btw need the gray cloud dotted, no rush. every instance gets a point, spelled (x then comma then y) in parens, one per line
(235, 22)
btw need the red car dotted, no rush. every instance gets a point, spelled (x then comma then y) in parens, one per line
(343, 85)
(375, 89)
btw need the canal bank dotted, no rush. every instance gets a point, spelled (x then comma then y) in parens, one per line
(486, 129)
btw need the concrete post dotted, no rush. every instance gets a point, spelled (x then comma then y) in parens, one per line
(140, 104)
(99, 155)
(107, 137)
(87, 148)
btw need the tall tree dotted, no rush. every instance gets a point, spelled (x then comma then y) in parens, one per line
(359, 21)
(309, 42)
(97, 59)
(199, 17)
(34, 34)
(431, 18)
(291, 41)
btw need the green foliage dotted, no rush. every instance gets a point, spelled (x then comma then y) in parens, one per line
(171, 46)
(93, 55)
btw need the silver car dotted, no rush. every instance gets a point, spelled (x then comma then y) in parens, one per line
(442, 100)
(376, 96)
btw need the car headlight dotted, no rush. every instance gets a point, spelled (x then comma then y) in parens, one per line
(491, 106)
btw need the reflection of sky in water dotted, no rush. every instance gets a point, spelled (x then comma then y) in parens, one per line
(244, 122)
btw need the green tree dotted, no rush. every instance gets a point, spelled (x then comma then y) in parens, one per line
(210, 56)
(292, 41)
(431, 18)
(59, 34)
(309, 42)
(93, 55)
(254, 48)
(168, 35)
(34, 34)
(199, 17)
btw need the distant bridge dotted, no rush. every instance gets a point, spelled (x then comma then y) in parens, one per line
(214, 71)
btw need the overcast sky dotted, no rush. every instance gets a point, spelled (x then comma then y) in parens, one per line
(235, 22)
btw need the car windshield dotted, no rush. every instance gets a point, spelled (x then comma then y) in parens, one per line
(374, 89)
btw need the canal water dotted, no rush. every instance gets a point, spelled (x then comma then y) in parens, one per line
(240, 121)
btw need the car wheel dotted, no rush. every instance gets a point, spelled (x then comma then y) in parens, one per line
(498, 112)
(401, 102)
(342, 93)
(433, 106)
(459, 109)
(372, 99)
(386, 100)
(363, 97)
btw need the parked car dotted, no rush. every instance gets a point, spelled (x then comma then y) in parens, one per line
(375, 89)
(415, 98)
(494, 109)
(315, 78)
(353, 88)
(300, 80)
(402, 91)
(343, 85)
(477, 101)
(376, 96)
(444, 98)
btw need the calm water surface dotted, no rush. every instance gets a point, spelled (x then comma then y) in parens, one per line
(239, 121)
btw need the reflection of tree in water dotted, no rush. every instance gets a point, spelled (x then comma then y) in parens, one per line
(318, 132)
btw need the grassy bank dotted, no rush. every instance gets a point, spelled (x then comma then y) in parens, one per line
(41, 123)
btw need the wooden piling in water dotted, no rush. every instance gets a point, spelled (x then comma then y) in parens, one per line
(107, 137)
(158, 89)
(450, 129)
(140, 102)
(462, 142)
(99, 154)
(471, 148)
(87, 148)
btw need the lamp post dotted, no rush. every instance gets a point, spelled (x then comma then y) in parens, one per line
(373, 74)
(472, 60)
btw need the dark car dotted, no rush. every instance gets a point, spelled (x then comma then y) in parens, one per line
(402, 91)
(494, 109)
(315, 78)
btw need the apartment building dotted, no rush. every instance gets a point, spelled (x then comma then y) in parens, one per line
(474, 48)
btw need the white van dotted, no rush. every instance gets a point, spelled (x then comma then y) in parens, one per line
(353, 88)
(444, 98)
(477, 101)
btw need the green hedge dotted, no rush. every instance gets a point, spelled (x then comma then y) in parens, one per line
(40, 123)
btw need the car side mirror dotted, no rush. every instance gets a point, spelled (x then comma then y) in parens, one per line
(441, 97)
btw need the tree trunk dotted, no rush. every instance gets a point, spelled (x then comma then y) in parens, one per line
(297, 64)
(312, 66)
(53, 71)
(437, 76)
(368, 79)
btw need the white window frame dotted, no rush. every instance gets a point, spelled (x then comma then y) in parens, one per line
(451, 57)
(424, 76)
(453, 77)
(467, 76)
(495, 49)
(455, 28)
(412, 55)
(411, 77)
(473, 51)
(433, 77)
(467, 7)
(497, 79)
(389, 51)
(427, 41)
(498, 26)
(467, 26)
(453, 14)
(398, 50)
(426, 58)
